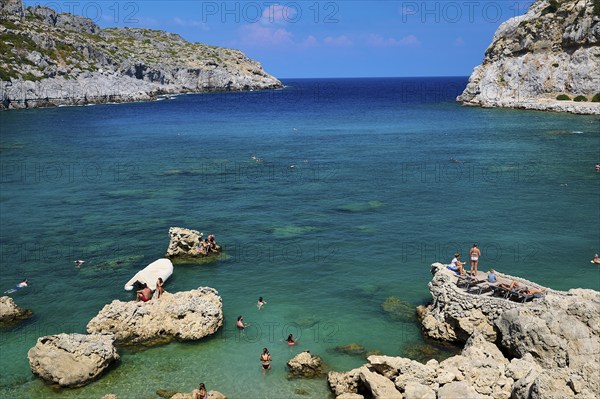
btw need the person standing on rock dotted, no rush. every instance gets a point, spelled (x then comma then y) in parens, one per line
(265, 359)
(160, 287)
(475, 254)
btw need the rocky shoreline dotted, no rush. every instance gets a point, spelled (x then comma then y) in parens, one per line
(548, 348)
(50, 59)
(553, 50)
(545, 348)
(535, 350)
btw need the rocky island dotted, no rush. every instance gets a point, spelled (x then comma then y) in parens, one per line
(10, 313)
(49, 59)
(547, 59)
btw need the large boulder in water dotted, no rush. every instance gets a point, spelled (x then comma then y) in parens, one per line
(189, 315)
(72, 360)
(186, 243)
(10, 313)
(305, 365)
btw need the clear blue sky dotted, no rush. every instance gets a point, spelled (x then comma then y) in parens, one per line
(324, 38)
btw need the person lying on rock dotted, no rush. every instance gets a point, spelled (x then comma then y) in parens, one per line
(144, 295)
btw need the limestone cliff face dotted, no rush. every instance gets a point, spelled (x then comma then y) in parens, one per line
(50, 59)
(553, 49)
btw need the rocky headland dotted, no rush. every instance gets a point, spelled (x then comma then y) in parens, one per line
(548, 348)
(188, 315)
(553, 50)
(49, 59)
(10, 313)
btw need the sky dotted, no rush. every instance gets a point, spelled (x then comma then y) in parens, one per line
(313, 39)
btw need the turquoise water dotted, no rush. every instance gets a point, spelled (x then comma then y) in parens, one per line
(355, 198)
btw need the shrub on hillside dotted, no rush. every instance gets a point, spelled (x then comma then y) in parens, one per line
(580, 99)
(563, 97)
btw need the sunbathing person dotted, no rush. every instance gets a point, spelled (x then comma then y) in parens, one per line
(534, 291)
(514, 286)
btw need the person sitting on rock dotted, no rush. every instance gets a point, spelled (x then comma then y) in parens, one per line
(212, 243)
(456, 265)
(201, 392)
(144, 295)
(491, 277)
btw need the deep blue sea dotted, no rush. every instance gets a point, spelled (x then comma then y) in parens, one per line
(361, 185)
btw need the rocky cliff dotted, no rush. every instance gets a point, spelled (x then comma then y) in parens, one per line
(552, 50)
(49, 59)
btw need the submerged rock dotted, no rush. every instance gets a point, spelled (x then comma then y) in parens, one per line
(189, 315)
(72, 360)
(10, 313)
(352, 349)
(305, 365)
(399, 309)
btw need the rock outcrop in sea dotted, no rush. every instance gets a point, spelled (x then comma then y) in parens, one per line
(549, 348)
(552, 50)
(50, 59)
(305, 365)
(187, 243)
(10, 313)
(72, 360)
(188, 315)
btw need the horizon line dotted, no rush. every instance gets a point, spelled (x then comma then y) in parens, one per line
(376, 77)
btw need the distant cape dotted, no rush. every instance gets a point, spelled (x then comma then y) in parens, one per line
(551, 51)
(49, 59)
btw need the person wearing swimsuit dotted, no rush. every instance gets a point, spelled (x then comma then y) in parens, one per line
(265, 359)
(475, 254)
(201, 392)
(160, 287)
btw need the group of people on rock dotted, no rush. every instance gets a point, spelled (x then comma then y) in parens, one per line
(475, 253)
(458, 267)
(207, 246)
